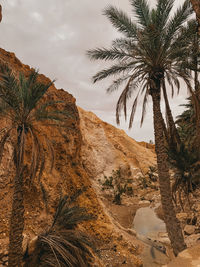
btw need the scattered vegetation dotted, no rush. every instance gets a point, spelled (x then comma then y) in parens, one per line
(150, 179)
(118, 184)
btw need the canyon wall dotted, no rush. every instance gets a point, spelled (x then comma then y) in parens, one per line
(85, 150)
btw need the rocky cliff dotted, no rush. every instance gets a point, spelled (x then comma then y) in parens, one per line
(106, 148)
(85, 150)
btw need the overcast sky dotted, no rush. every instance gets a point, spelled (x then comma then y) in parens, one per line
(53, 35)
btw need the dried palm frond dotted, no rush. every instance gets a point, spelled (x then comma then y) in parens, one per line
(63, 244)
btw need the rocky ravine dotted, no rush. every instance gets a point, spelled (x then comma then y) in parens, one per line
(84, 152)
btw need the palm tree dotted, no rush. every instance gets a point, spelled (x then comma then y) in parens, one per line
(63, 244)
(22, 108)
(152, 50)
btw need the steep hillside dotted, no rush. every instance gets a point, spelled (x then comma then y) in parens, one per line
(83, 152)
(106, 148)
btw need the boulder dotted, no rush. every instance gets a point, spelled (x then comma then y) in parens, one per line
(189, 229)
(191, 240)
(188, 258)
(182, 216)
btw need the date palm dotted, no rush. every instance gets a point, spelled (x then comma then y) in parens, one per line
(152, 51)
(23, 110)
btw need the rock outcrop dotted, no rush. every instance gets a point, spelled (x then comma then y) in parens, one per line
(106, 148)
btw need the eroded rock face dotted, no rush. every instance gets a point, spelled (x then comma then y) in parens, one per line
(106, 148)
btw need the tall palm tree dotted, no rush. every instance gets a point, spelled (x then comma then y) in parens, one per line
(153, 49)
(22, 108)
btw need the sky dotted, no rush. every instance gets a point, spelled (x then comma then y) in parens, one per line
(54, 35)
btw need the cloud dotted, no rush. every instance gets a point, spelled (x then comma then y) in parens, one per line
(54, 36)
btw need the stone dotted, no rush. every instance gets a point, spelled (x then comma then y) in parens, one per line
(187, 258)
(182, 216)
(192, 240)
(189, 229)
(144, 202)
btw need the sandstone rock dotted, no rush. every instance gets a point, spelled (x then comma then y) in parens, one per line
(187, 258)
(189, 229)
(106, 148)
(192, 240)
(182, 216)
(144, 202)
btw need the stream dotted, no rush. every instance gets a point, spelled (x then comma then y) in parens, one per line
(149, 230)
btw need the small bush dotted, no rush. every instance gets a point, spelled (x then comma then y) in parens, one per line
(118, 185)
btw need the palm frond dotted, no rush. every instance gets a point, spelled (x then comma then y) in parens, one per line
(142, 11)
(121, 21)
(176, 22)
(145, 100)
(3, 141)
(116, 83)
(108, 54)
(115, 69)
(63, 244)
(68, 215)
(163, 10)
(133, 110)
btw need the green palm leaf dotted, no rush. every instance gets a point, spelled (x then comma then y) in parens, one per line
(121, 21)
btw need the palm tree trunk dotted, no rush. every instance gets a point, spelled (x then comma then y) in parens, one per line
(15, 251)
(196, 7)
(172, 223)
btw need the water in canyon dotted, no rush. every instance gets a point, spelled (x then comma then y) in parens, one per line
(150, 230)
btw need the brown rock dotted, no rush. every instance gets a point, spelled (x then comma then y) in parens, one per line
(182, 216)
(189, 229)
(187, 258)
(192, 240)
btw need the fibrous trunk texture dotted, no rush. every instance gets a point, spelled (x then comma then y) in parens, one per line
(16, 225)
(172, 223)
(15, 253)
(196, 7)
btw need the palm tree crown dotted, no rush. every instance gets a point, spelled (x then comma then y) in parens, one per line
(23, 109)
(155, 46)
